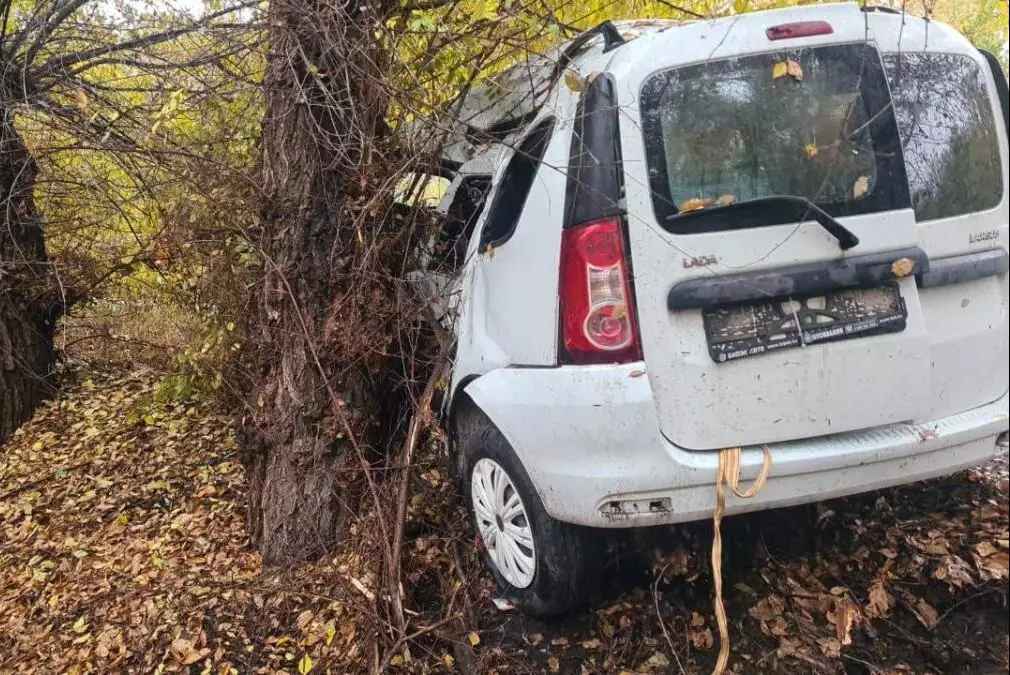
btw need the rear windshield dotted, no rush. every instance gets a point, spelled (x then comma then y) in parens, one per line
(815, 123)
(948, 133)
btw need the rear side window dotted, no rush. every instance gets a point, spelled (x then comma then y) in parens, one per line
(516, 181)
(948, 133)
(813, 123)
(462, 214)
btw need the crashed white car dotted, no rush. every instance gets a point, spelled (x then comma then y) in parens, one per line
(785, 229)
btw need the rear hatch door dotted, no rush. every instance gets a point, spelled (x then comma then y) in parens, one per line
(759, 324)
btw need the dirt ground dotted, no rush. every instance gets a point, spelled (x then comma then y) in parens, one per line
(122, 549)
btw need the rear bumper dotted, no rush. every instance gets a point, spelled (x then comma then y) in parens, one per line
(590, 441)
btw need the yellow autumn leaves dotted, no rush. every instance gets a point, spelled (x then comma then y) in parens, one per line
(699, 203)
(788, 67)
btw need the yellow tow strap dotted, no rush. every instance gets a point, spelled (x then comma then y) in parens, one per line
(729, 474)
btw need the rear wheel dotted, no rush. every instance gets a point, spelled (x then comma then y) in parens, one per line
(545, 567)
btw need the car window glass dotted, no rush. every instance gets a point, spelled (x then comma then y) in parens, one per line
(948, 133)
(811, 122)
(462, 214)
(516, 181)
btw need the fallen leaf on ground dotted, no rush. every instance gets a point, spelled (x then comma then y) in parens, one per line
(845, 615)
(830, 647)
(768, 608)
(657, 660)
(955, 571)
(994, 567)
(880, 602)
(984, 549)
(924, 612)
(702, 640)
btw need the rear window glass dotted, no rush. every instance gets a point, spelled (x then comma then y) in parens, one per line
(948, 133)
(814, 123)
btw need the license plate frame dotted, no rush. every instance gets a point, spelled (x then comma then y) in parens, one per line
(750, 329)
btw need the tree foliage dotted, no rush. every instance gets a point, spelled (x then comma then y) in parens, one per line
(93, 135)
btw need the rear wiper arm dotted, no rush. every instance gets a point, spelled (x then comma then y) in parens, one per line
(805, 209)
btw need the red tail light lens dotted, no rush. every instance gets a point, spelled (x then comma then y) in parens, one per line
(799, 29)
(597, 317)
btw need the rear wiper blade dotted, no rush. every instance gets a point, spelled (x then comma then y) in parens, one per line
(804, 210)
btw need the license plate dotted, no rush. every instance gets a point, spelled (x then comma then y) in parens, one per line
(738, 331)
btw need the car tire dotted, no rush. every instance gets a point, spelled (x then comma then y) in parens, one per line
(543, 566)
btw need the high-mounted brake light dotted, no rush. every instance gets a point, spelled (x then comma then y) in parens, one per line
(597, 316)
(799, 29)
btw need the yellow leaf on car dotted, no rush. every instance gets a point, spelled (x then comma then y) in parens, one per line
(811, 150)
(574, 82)
(794, 69)
(781, 69)
(902, 267)
(861, 187)
(696, 204)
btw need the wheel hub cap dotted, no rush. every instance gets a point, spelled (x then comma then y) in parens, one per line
(503, 523)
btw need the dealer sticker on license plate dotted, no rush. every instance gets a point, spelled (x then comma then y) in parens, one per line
(738, 331)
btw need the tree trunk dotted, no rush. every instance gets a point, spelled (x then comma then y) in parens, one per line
(314, 408)
(26, 317)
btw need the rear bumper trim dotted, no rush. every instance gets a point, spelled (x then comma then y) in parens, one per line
(961, 268)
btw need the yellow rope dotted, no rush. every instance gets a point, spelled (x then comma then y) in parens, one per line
(729, 474)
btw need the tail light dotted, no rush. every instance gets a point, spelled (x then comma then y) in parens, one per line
(597, 316)
(788, 31)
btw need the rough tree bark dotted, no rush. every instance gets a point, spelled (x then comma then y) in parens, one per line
(314, 405)
(26, 286)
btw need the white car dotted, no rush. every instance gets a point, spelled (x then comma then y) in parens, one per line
(785, 229)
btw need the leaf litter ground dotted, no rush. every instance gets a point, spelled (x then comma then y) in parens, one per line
(122, 549)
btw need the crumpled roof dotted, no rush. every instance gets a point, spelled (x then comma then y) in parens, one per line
(518, 92)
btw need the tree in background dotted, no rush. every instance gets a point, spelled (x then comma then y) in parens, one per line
(77, 77)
